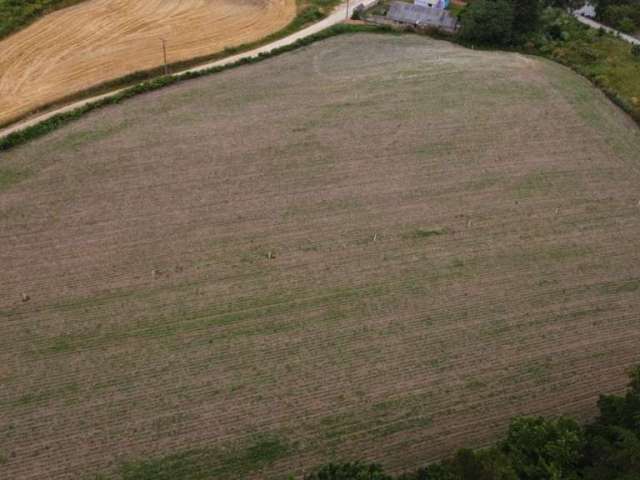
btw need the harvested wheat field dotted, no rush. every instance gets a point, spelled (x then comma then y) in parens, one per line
(377, 247)
(100, 40)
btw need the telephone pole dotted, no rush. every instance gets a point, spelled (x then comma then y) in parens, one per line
(347, 16)
(164, 53)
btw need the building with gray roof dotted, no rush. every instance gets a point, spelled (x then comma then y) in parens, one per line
(422, 16)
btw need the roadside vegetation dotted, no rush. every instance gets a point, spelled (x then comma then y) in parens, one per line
(537, 448)
(623, 15)
(603, 58)
(547, 28)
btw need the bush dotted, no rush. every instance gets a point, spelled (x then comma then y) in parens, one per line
(627, 25)
(544, 449)
(489, 464)
(613, 448)
(349, 471)
(555, 31)
(622, 17)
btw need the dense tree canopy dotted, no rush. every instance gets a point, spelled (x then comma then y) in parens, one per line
(488, 22)
(526, 15)
(500, 22)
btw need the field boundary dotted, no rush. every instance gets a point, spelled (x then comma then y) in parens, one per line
(40, 126)
(306, 22)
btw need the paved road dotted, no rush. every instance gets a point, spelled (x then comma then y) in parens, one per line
(339, 15)
(594, 24)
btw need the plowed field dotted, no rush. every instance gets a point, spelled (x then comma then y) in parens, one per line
(377, 247)
(99, 40)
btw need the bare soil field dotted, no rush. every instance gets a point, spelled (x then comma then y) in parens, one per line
(378, 247)
(100, 40)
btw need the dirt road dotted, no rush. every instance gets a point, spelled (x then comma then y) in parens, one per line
(98, 40)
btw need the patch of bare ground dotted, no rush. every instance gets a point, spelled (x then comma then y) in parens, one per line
(376, 247)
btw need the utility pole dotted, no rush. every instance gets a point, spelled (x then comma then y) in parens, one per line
(347, 16)
(164, 52)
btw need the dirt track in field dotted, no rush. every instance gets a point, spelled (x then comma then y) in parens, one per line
(453, 239)
(99, 40)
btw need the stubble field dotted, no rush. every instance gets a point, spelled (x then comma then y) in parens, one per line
(99, 40)
(377, 247)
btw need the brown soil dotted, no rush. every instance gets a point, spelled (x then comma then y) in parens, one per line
(377, 247)
(99, 40)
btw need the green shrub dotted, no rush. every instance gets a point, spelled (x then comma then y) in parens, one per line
(624, 16)
(488, 464)
(541, 449)
(613, 440)
(349, 471)
(627, 25)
